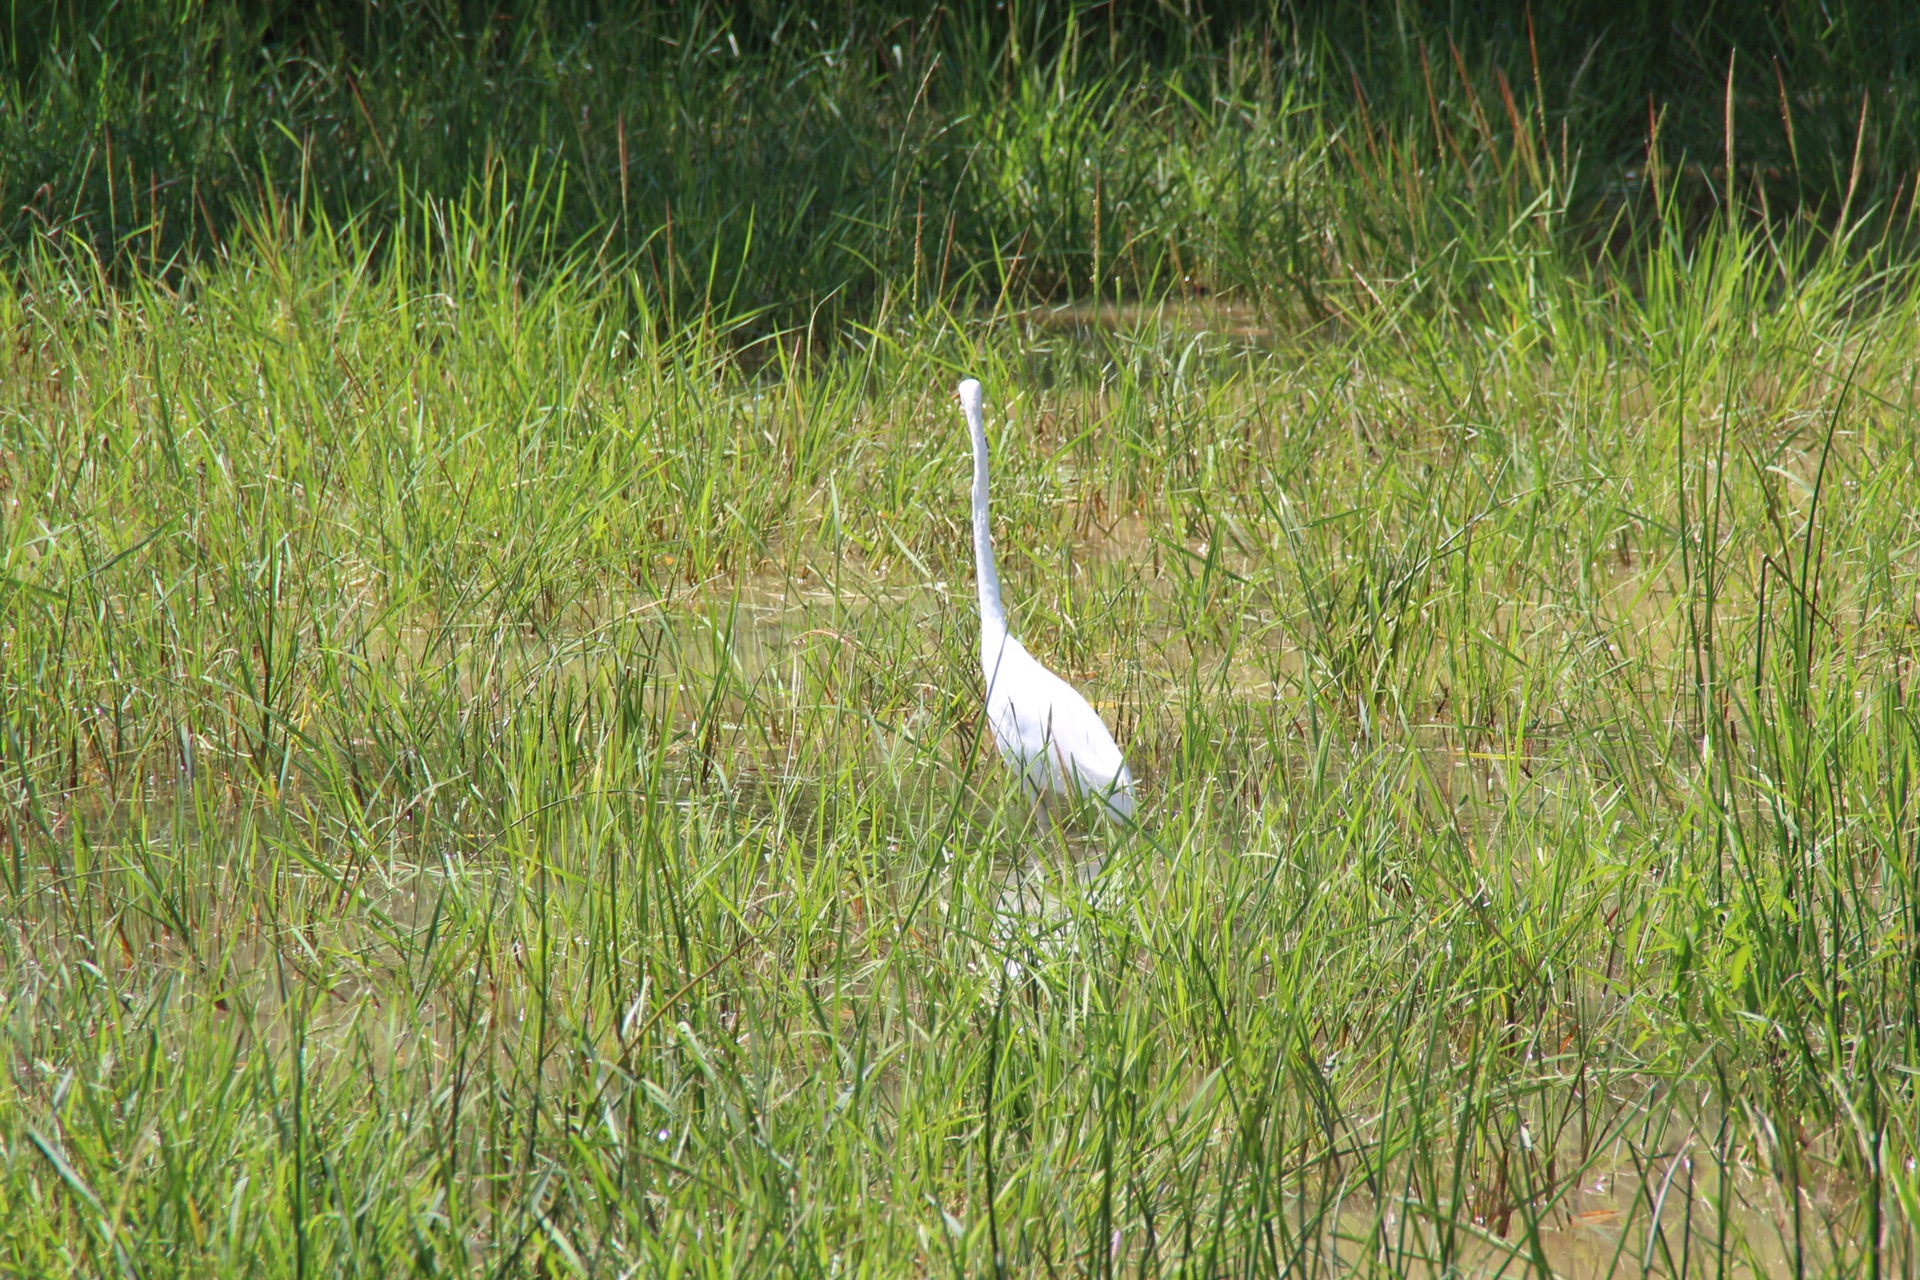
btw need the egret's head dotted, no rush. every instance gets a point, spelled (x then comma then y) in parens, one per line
(970, 399)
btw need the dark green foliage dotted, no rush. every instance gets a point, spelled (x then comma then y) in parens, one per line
(826, 163)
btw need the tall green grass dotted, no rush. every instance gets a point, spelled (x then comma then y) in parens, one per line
(817, 170)
(491, 777)
(491, 789)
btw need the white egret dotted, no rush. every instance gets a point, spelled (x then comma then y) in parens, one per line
(1045, 730)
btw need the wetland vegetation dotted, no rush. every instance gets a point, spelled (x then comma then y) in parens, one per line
(491, 770)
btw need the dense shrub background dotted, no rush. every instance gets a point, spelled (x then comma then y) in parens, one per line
(823, 162)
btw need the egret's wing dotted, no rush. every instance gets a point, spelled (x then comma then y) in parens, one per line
(1051, 734)
(1085, 752)
(1019, 708)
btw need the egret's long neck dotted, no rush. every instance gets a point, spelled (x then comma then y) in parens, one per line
(993, 616)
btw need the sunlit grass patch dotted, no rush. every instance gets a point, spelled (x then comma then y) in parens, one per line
(489, 782)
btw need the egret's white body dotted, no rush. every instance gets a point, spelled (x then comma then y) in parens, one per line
(1051, 737)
